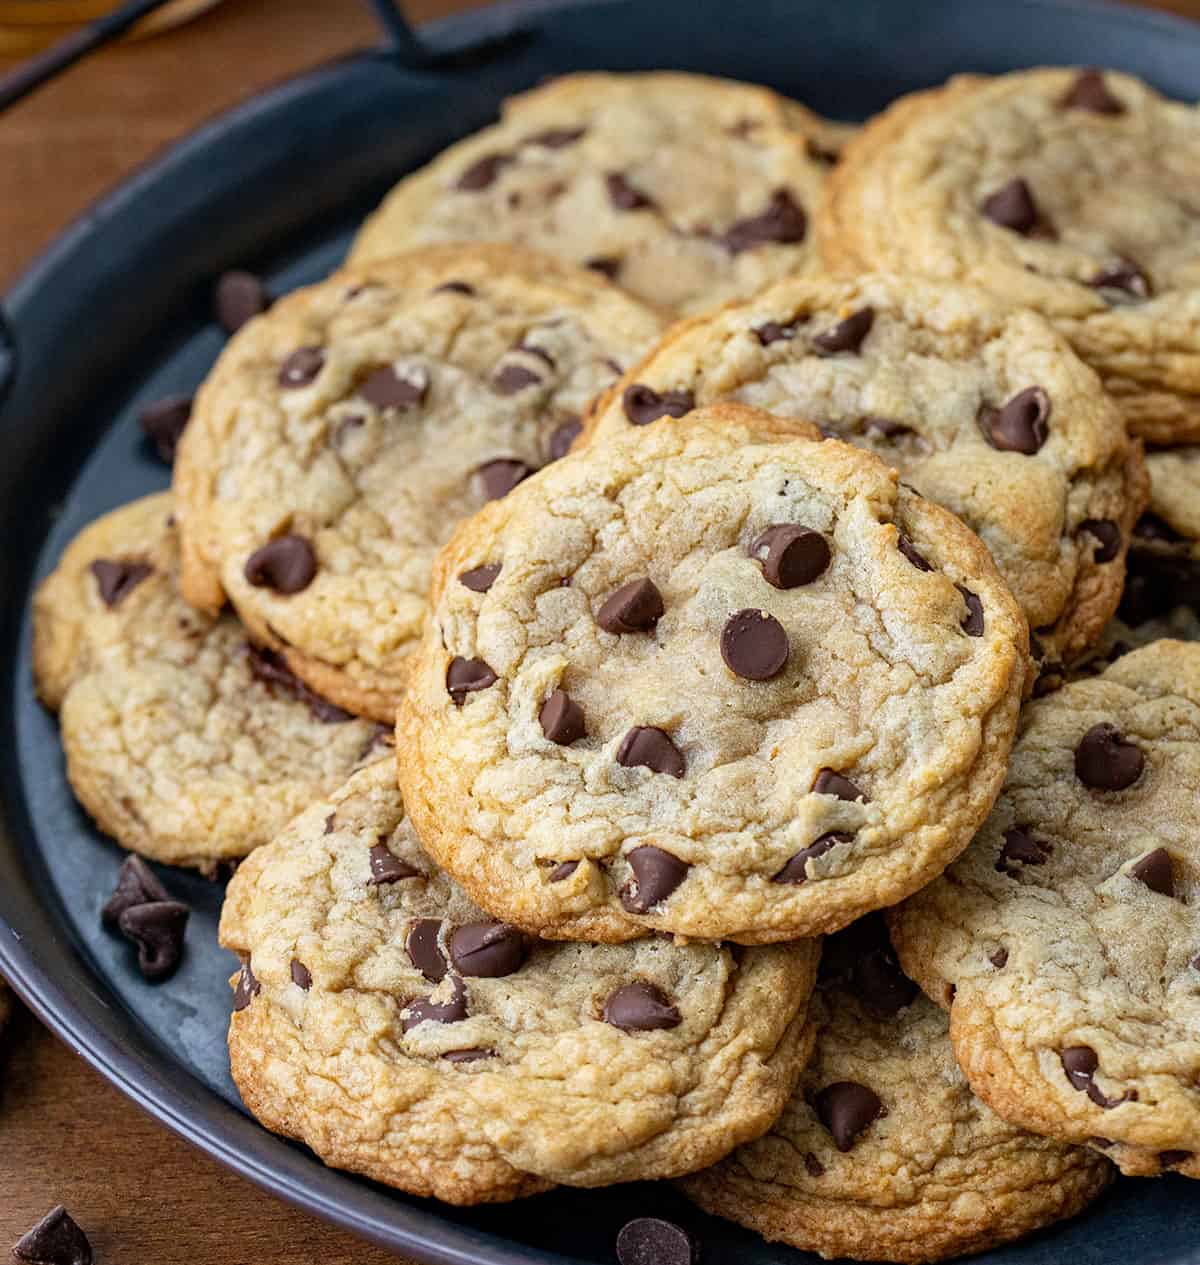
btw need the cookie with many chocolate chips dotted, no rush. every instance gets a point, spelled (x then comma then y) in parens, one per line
(883, 1152)
(1059, 190)
(1065, 941)
(981, 408)
(184, 741)
(685, 190)
(392, 1025)
(343, 434)
(730, 681)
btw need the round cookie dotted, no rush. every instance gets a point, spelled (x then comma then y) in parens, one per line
(383, 1019)
(981, 408)
(883, 1152)
(342, 434)
(726, 680)
(1065, 940)
(1164, 554)
(1060, 190)
(186, 743)
(686, 190)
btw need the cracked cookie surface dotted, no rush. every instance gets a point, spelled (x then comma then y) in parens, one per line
(184, 742)
(684, 189)
(883, 1152)
(981, 408)
(1062, 191)
(727, 680)
(342, 435)
(1065, 940)
(383, 1019)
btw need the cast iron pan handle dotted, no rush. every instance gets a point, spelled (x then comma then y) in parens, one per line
(8, 357)
(405, 47)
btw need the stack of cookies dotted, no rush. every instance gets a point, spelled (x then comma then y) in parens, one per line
(685, 529)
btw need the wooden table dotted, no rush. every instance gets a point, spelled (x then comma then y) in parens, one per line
(65, 1135)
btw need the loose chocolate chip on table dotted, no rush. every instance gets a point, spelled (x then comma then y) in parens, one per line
(426, 1010)
(846, 335)
(1021, 847)
(773, 332)
(999, 958)
(480, 579)
(424, 951)
(487, 950)
(656, 874)
(301, 975)
(286, 564)
(513, 378)
(136, 885)
(563, 870)
(301, 367)
(634, 607)
(623, 195)
(1012, 206)
(1107, 535)
(1154, 869)
(640, 1007)
(164, 422)
(157, 929)
(117, 579)
(643, 405)
(783, 221)
(466, 676)
(1126, 277)
(385, 388)
(499, 477)
(1090, 92)
(791, 555)
(846, 1108)
(972, 621)
(386, 867)
(796, 869)
(646, 747)
(563, 436)
(754, 645)
(562, 719)
(238, 297)
(830, 782)
(483, 172)
(653, 1241)
(454, 287)
(55, 1240)
(556, 137)
(1021, 425)
(606, 265)
(1106, 761)
(246, 989)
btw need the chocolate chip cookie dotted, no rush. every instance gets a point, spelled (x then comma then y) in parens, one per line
(982, 408)
(1065, 940)
(1060, 190)
(722, 678)
(684, 189)
(342, 434)
(883, 1152)
(388, 1022)
(184, 741)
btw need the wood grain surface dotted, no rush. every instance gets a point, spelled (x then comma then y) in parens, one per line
(144, 1196)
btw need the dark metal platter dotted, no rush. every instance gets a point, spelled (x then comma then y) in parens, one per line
(116, 314)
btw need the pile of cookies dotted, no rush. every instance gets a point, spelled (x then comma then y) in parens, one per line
(685, 529)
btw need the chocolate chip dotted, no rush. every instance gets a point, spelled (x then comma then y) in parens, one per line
(1012, 207)
(773, 332)
(499, 477)
(623, 195)
(164, 422)
(116, 579)
(653, 1241)
(386, 867)
(455, 287)
(640, 1007)
(301, 367)
(1108, 536)
(912, 553)
(999, 958)
(286, 564)
(1090, 92)
(607, 265)
(647, 747)
(237, 298)
(480, 579)
(466, 676)
(754, 645)
(270, 668)
(482, 173)
(634, 607)
(972, 621)
(829, 782)
(642, 404)
(1154, 869)
(157, 929)
(426, 1010)
(846, 335)
(1126, 278)
(136, 885)
(562, 437)
(473, 1055)
(246, 989)
(487, 950)
(301, 975)
(1081, 1063)
(385, 388)
(562, 719)
(783, 221)
(424, 951)
(512, 378)
(1021, 847)
(1169, 1159)
(1106, 761)
(556, 137)
(796, 870)
(1021, 425)
(885, 427)
(563, 870)
(791, 555)
(55, 1240)
(846, 1108)
(656, 874)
